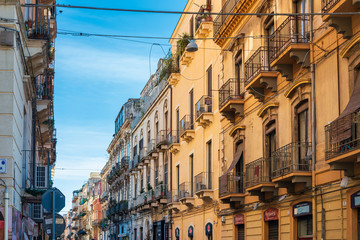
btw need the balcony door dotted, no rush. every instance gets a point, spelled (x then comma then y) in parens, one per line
(239, 172)
(239, 74)
(302, 117)
(191, 182)
(191, 96)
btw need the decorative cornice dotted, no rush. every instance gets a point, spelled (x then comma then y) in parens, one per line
(296, 84)
(266, 107)
(346, 51)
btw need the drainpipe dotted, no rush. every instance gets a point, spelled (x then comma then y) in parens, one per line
(170, 157)
(313, 123)
(33, 139)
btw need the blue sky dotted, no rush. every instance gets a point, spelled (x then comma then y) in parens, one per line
(94, 76)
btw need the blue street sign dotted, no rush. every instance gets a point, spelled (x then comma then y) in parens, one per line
(47, 200)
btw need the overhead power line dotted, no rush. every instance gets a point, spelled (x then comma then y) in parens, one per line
(191, 13)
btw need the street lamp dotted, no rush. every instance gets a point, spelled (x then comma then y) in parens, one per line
(192, 46)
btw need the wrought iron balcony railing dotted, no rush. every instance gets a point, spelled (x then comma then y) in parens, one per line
(231, 183)
(232, 89)
(204, 105)
(294, 157)
(125, 161)
(39, 21)
(202, 16)
(257, 63)
(257, 172)
(161, 138)
(160, 191)
(327, 5)
(173, 137)
(173, 196)
(228, 7)
(135, 161)
(143, 153)
(45, 86)
(186, 190)
(186, 123)
(342, 135)
(203, 181)
(293, 30)
(151, 146)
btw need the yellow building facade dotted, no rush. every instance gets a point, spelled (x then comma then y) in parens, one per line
(261, 155)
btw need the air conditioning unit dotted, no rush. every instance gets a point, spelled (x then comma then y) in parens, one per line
(41, 177)
(36, 211)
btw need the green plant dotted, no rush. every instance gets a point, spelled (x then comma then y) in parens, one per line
(35, 192)
(170, 65)
(182, 43)
(149, 187)
(142, 190)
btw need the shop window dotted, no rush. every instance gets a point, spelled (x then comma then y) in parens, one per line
(304, 227)
(302, 212)
(240, 232)
(239, 222)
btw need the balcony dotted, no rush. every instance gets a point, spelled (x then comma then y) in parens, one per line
(143, 156)
(203, 22)
(186, 194)
(104, 196)
(187, 58)
(231, 99)
(174, 143)
(44, 94)
(260, 79)
(203, 186)
(203, 111)
(257, 178)
(160, 193)
(224, 25)
(187, 132)
(289, 45)
(161, 140)
(122, 207)
(125, 162)
(173, 200)
(40, 29)
(291, 164)
(152, 150)
(342, 143)
(342, 24)
(232, 188)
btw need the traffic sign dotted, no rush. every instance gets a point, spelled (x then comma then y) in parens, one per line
(59, 225)
(47, 200)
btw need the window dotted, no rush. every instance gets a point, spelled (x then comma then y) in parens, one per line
(36, 212)
(156, 173)
(270, 138)
(191, 96)
(304, 229)
(166, 171)
(177, 121)
(191, 170)
(191, 26)
(41, 177)
(135, 150)
(209, 81)
(209, 164)
(178, 178)
(239, 73)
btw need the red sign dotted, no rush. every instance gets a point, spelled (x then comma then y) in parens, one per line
(271, 214)
(239, 219)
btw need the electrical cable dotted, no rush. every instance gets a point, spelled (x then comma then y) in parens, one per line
(188, 12)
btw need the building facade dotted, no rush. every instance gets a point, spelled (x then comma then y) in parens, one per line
(253, 135)
(27, 132)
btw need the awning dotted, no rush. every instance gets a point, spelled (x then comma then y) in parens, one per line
(341, 127)
(223, 188)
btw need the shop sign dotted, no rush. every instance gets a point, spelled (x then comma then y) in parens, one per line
(177, 232)
(271, 214)
(208, 229)
(355, 200)
(239, 219)
(191, 231)
(302, 209)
